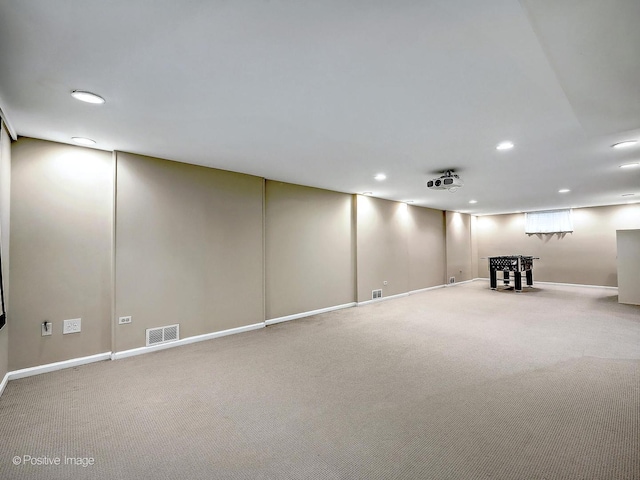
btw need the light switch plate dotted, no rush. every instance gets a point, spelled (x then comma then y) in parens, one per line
(46, 328)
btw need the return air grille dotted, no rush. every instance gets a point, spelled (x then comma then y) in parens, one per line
(166, 334)
(376, 294)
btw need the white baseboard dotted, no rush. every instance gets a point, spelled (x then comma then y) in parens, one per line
(536, 282)
(74, 362)
(185, 341)
(52, 367)
(295, 316)
(574, 285)
(4, 383)
(458, 283)
(382, 299)
(413, 292)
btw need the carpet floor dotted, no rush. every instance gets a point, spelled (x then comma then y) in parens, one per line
(455, 383)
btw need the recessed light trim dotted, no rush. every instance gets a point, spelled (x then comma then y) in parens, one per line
(83, 141)
(625, 144)
(630, 165)
(380, 177)
(87, 97)
(368, 194)
(564, 190)
(628, 194)
(473, 201)
(506, 145)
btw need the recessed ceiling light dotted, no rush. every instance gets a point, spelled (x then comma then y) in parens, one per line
(564, 190)
(87, 97)
(630, 165)
(625, 144)
(83, 141)
(505, 146)
(473, 201)
(628, 194)
(380, 177)
(367, 193)
(409, 201)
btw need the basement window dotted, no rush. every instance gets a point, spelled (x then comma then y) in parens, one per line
(550, 221)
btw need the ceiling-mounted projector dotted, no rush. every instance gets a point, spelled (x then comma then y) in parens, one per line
(448, 181)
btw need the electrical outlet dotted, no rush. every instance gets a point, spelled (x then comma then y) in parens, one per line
(385, 282)
(71, 326)
(46, 328)
(124, 320)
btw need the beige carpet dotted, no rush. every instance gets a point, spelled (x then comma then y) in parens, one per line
(455, 383)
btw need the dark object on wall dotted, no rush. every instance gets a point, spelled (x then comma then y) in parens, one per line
(3, 313)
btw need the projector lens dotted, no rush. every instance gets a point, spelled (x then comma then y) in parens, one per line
(438, 182)
(430, 183)
(448, 181)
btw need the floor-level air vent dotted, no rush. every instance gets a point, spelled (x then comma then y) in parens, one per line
(452, 279)
(376, 294)
(166, 334)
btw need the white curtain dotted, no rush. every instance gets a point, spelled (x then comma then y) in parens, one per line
(552, 221)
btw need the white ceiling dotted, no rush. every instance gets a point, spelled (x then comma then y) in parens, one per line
(330, 93)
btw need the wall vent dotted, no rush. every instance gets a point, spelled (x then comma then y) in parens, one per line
(376, 294)
(158, 335)
(452, 279)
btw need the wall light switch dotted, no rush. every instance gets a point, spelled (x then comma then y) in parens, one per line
(46, 329)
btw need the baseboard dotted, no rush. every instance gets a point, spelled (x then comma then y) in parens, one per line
(574, 285)
(185, 341)
(382, 299)
(4, 383)
(458, 283)
(52, 367)
(413, 292)
(535, 282)
(74, 362)
(295, 316)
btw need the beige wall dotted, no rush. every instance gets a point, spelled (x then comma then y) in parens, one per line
(309, 249)
(382, 247)
(400, 244)
(189, 248)
(628, 245)
(427, 260)
(474, 247)
(460, 249)
(61, 221)
(587, 256)
(5, 202)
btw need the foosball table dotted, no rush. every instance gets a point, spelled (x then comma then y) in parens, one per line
(511, 263)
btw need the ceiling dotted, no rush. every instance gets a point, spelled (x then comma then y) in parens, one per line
(330, 93)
